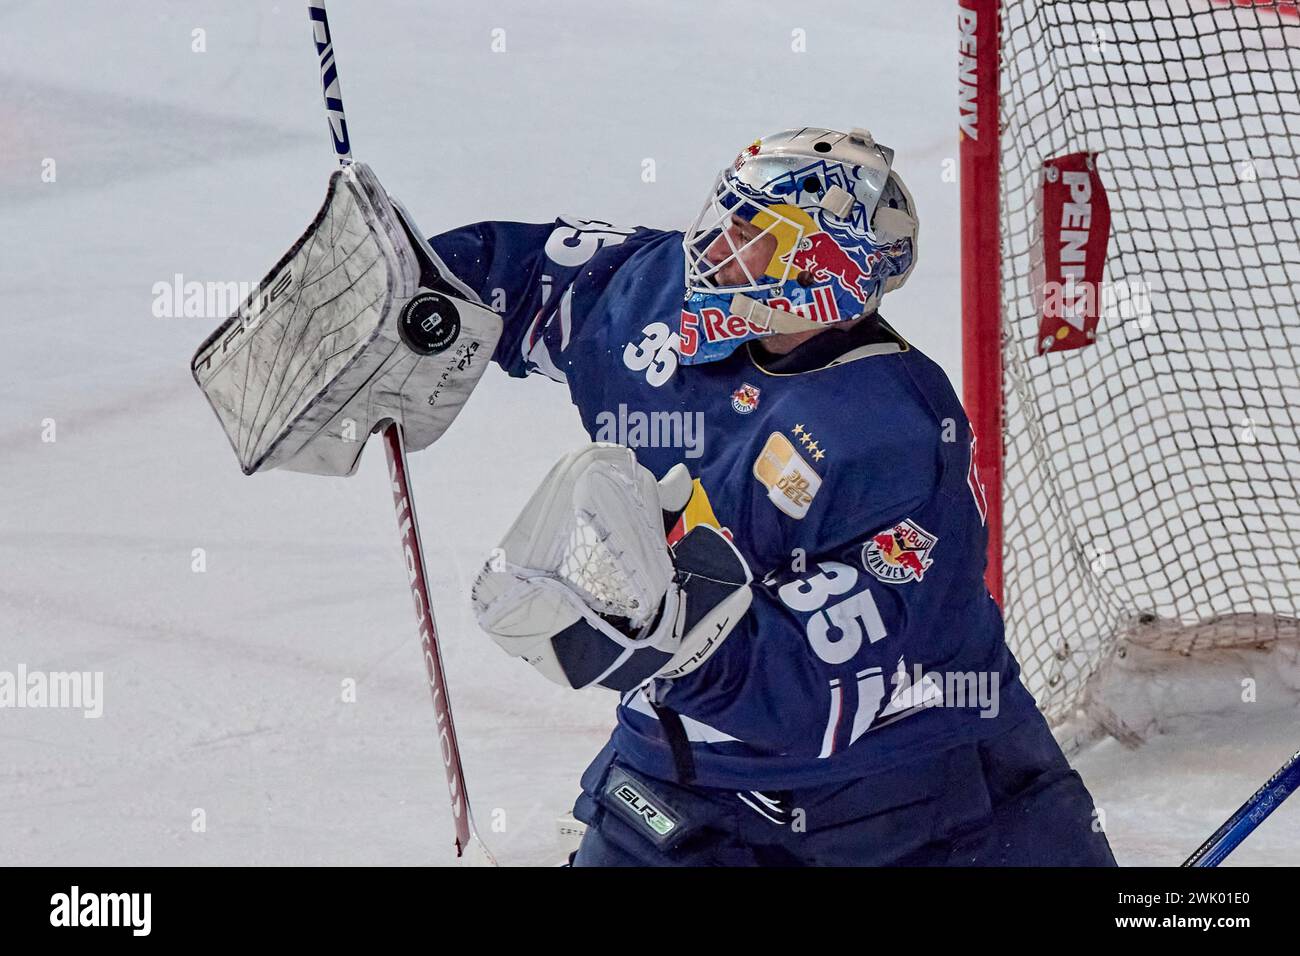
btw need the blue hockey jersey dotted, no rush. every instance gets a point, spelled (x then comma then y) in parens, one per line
(849, 488)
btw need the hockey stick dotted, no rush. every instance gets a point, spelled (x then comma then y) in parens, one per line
(1250, 815)
(469, 848)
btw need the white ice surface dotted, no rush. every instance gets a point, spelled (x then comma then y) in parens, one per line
(223, 688)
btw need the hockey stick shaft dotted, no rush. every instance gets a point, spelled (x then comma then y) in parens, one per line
(329, 81)
(1249, 815)
(467, 841)
(413, 551)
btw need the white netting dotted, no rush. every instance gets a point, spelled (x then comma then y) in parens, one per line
(1152, 479)
(592, 569)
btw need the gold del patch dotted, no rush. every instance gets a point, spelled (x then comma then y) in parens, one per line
(790, 481)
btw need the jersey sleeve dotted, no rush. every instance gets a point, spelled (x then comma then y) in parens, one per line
(500, 264)
(526, 273)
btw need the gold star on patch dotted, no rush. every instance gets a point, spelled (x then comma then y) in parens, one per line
(798, 429)
(818, 455)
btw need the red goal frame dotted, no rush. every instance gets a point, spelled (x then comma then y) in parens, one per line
(979, 154)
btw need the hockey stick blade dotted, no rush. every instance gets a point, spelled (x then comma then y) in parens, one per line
(1249, 815)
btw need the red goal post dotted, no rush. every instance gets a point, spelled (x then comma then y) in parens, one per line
(981, 259)
(1142, 467)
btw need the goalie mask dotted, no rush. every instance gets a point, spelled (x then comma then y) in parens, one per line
(807, 227)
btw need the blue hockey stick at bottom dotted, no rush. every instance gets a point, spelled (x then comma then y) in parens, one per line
(1250, 815)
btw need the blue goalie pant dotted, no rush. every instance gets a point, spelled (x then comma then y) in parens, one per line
(1009, 800)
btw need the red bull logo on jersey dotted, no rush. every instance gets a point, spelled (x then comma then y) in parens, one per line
(899, 554)
(745, 399)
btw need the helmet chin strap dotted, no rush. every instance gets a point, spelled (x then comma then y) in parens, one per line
(776, 320)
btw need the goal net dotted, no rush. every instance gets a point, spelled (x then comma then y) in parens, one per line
(1145, 488)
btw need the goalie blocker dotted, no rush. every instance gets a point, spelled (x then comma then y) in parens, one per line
(356, 326)
(586, 589)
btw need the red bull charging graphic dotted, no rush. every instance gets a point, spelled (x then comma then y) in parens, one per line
(899, 554)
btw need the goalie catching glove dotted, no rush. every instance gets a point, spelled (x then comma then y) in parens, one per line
(355, 327)
(586, 589)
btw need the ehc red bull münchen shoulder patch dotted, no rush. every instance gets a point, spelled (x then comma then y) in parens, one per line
(899, 554)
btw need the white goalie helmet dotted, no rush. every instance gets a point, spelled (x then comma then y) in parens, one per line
(806, 227)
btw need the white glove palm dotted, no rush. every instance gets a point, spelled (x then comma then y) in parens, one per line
(585, 588)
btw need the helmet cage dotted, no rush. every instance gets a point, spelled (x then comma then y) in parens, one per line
(731, 198)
